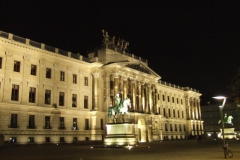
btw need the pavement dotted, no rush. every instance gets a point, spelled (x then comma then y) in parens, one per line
(172, 150)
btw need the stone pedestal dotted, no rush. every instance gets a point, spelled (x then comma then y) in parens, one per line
(228, 133)
(120, 134)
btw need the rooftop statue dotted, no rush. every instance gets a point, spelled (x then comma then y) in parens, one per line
(227, 119)
(110, 42)
(120, 107)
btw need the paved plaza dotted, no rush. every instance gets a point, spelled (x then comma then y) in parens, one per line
(178, 149)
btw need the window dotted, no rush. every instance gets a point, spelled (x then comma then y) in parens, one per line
(15, 91)
(163, 97)
(86, 81)
(16, 67)
(47, 139)
(48, 73)
(47, 122)
(169, 112)
(74, 124)
(74, 78)
(47, 96)
(32, 94)
(0, 62)
(31, 122)
(74, 100)
(33, 70)
(75, 139)
(30, 139)
(174, 113)
(168, 98)
(181, 101)
(101, 124)
(177, 100)
(182, 114)
(62, 126)
(62, 76)
(172, 99)
(164, 112)
(62, 139)
(180, 127)
(171, 127)
(86, 124)
(178, 114)
(14, 120)
(61, 98)
(175, 127)
(86, 102)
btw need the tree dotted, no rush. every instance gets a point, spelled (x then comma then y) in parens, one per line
(234, 87)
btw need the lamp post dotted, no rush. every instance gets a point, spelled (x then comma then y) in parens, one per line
(221, 108)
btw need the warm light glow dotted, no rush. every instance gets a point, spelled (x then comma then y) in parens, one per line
(219, 97)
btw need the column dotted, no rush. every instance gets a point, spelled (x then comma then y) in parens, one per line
(139, 97)
(116, 81)
(7, 80)
(133, 80)
(199, 109)
(142, 98)
(25, 89)
(156, 100)
(150, 98)
(95, 91)
(124, 87)
(112, 103)
(188, 108)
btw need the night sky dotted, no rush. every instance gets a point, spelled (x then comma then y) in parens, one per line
(188, 43)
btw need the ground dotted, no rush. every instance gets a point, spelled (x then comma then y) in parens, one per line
(174, 150)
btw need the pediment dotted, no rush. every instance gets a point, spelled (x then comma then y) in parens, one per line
(135, 66)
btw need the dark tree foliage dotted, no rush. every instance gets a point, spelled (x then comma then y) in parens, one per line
(234, 87)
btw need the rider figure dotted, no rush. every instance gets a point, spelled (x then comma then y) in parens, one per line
(225, 118)
(117, 101)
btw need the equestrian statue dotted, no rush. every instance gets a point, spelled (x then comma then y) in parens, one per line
(227, 119)
(120, 107)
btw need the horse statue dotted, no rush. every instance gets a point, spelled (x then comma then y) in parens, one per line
(227, 119)
(121, 107)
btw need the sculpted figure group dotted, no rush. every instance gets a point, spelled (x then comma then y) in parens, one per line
(110, 42)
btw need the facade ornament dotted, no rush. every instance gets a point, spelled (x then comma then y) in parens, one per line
(116, 75)
(95, 74)
(42, 62)
(55, 65)
(26, 58)
(69, 68)
(9, 54)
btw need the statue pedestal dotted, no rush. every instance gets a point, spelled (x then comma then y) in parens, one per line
(120, 134)
(228, 133)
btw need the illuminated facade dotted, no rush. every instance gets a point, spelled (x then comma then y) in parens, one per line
(51, 95)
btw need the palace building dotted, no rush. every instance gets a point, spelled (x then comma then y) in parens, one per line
(48, 95)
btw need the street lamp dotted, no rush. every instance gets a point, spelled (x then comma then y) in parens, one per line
(221, 108)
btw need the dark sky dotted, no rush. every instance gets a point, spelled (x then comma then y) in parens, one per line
(188, 43)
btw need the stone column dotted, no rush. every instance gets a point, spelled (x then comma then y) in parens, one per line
(199, 109)
(7, 79)
(133, 80)
(95, 90)
(125, 87)
(116, 81)
(142, 98)
(25, 89)
(188, 108)
(139, 97)
(150, 98)
(146, 98)
(112, 90)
